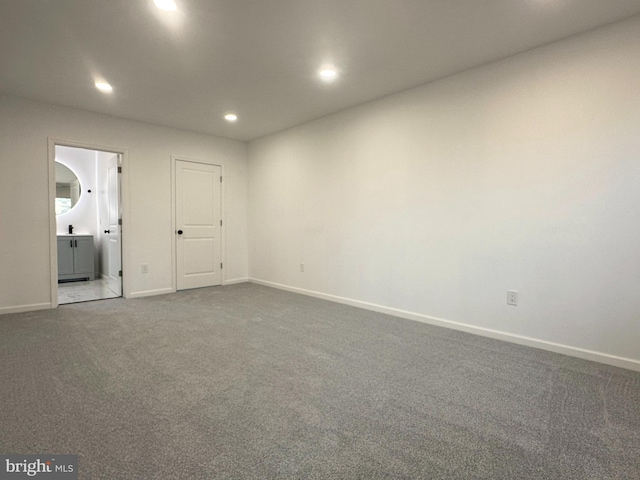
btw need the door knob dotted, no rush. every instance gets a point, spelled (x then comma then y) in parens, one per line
(107, 231)
(179, 232)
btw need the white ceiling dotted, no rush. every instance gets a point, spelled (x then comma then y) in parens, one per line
(259, 58)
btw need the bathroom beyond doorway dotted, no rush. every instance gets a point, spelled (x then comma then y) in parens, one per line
(88, 220)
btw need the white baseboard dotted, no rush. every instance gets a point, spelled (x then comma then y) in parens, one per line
(150, 293)
(163, 291)
(628, 363)
(235, 280)
(25, 308)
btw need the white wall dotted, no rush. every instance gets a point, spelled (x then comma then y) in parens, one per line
(25, 127)
(523, 174)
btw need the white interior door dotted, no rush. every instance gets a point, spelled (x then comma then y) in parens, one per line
(198, 225)
(114, 262)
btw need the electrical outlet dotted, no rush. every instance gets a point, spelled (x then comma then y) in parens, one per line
(302, 267)
(145, 268)
(512, 297)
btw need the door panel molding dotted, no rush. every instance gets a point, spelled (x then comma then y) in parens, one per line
(113, 240)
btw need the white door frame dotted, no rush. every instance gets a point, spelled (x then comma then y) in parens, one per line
(124, 210)
(174, 272)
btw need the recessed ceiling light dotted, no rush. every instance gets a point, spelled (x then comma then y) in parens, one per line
(328, 73)
(168, 5)
(231, 117)
(104, 87)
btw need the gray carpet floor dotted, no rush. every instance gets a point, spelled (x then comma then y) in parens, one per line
(244, 382)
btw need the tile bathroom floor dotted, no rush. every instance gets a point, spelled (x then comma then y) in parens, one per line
(84, 291)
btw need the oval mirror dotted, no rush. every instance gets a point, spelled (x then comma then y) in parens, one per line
(67, 189)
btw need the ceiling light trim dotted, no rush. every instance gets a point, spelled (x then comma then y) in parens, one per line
(103, 86)
(328, 73)
(166, 5)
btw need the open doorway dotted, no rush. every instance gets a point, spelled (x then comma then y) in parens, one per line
(88, 224)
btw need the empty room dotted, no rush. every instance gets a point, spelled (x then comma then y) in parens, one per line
(320, 239)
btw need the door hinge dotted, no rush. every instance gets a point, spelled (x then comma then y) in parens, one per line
(119, 221)
(120, 273)
(220, 266)
(220, 178)
(220, 222)
(119, 169)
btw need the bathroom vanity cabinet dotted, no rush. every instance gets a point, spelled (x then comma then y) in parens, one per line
(75, 257)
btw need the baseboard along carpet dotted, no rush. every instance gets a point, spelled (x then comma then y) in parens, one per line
(245, 381)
